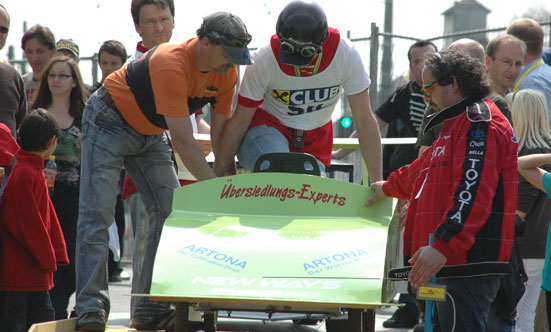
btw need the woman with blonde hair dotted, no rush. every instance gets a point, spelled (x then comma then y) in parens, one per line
(61, 92)
(531, 125)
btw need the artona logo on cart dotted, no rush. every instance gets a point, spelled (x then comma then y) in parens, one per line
(279, 283)
(271, 191)
(334, 261)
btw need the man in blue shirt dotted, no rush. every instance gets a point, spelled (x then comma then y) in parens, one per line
(535, 74)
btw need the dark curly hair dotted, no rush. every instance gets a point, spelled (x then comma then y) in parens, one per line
(467, 71)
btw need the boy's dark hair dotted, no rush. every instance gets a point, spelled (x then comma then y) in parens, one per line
(113, 47)
(42, 33)
(36, 130)
(137, 4)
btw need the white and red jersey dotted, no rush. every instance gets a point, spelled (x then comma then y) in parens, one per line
(307, 101)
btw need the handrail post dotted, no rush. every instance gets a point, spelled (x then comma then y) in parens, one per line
(374, 65)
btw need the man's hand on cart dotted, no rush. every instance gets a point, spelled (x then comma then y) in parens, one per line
(403, 208)
(379, 193)
(426, 262)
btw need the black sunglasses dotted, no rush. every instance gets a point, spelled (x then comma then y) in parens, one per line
(4, 30)
(230, 40)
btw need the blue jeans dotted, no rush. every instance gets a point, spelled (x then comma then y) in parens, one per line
(260, 140)
(108, 145)
(140, 224)
(468, 302)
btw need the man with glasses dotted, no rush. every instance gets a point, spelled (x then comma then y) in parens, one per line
(153, 21)
(463, 191)
(287, 97)
(123, 125)
(535, 74)
(475, 50)
(504, 60)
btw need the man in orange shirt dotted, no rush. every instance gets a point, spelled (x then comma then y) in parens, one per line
(123, 126)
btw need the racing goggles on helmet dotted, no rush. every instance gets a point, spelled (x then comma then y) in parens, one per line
(230, 40)
(306, 49)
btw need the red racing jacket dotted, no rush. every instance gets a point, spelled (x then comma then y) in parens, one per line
(463, 190)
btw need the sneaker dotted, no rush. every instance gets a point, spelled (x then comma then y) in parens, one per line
(91, 322)
(401, 319)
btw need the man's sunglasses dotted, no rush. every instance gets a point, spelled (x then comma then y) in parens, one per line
(4, 30)
(230, 40)
(427, 88)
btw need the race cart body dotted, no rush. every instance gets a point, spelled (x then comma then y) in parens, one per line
(276, 242)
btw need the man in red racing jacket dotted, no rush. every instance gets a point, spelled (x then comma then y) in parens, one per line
(462, 191)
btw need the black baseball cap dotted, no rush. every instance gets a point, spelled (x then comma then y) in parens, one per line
(230, 31)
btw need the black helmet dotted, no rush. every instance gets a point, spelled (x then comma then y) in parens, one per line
(301, 28)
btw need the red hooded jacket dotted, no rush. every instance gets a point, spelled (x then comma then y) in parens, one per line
(31, 241)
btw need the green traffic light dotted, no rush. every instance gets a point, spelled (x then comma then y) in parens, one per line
(346, 122)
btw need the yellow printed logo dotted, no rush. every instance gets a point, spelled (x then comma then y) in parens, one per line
(432, 292)
(282, 96)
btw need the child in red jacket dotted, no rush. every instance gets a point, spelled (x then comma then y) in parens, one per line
(31, 241)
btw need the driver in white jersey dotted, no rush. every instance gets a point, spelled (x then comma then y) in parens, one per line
(288, 95)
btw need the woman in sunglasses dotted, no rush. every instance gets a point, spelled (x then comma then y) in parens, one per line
(61, 92)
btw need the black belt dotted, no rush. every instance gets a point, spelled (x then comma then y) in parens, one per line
(108, 100)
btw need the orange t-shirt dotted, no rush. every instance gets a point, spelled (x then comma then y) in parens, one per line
(166, 81)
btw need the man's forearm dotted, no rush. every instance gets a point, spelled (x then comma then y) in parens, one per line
(194, 160)
(188, 148)
(370, 145)
(228, 145)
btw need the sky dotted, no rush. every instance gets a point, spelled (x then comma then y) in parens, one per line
(90, 22)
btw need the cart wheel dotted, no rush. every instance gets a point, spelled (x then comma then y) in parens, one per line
(368, 321)
(182, 317)
(210, 321)
(336, 325)
(355, 320)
